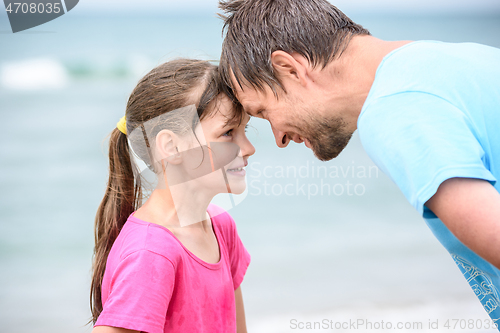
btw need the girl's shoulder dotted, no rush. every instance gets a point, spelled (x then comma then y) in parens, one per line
(219, 216)
(138, 235)
(222, 221)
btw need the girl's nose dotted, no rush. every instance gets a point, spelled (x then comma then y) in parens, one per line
(246, 147)
(249, 149)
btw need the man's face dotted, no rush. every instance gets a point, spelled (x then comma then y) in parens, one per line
(298, 115)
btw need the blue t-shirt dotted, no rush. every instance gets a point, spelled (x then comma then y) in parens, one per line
(433, 113)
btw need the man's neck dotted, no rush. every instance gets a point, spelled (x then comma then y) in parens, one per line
(354, 72)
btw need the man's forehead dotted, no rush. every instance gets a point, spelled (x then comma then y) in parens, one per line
(249, 105)
(250, 97)
(243, 87)
(247, 97)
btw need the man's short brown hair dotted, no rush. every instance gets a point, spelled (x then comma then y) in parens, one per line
(314, 29)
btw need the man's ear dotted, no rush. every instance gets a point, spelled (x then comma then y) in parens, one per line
(290, 67)
(167, 147)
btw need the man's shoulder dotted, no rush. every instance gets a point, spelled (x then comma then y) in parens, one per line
(431, 59)
(432, 50)
(446, 70)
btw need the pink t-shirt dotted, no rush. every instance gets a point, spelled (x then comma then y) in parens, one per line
(152, 283)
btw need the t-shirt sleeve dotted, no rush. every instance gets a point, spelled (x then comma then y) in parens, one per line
(421, 140)
(140, 292)
(238, 255)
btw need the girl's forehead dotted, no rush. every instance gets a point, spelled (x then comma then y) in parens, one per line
(223, 113)
(227, 117)
(224, 120)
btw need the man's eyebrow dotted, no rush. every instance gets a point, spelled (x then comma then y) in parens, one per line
(249, 109)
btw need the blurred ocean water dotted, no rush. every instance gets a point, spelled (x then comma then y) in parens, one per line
(332, 240)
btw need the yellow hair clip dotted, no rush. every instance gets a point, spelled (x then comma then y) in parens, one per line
(122, 125)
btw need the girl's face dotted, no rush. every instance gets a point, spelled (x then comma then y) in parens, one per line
(229, 145)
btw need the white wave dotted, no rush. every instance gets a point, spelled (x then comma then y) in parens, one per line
(139, 65)
(33, 74)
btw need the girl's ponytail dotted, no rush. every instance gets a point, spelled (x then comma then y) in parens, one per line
(122, 197)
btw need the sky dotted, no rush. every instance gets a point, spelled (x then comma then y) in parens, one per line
(348, 6)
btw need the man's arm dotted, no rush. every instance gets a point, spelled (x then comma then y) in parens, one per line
(470, 208)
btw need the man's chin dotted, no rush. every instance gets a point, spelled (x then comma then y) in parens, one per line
(326, 137)
(325, 157)
(327, 152)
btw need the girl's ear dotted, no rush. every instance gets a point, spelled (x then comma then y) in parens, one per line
(167, 147)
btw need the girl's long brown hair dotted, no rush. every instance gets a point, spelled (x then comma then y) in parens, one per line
(167, 87)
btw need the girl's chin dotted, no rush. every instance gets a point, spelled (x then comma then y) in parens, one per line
(237, 191)
(237, 187)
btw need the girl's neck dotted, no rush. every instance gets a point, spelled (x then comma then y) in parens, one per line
(175, 207)
(186, 217)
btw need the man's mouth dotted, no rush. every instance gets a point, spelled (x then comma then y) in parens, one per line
(307, 143)
(296, 138)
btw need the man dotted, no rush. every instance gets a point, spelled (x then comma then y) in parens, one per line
(428, 114)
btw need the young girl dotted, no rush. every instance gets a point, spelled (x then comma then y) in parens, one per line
(174, 264)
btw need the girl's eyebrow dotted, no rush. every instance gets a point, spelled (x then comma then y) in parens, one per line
(231, 122)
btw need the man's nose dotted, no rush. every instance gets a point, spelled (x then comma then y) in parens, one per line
(282, 139)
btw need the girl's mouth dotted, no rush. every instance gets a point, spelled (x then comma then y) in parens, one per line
(237, 171)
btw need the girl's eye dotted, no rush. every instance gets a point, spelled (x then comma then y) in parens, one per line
(228, 133)
(246, 128)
